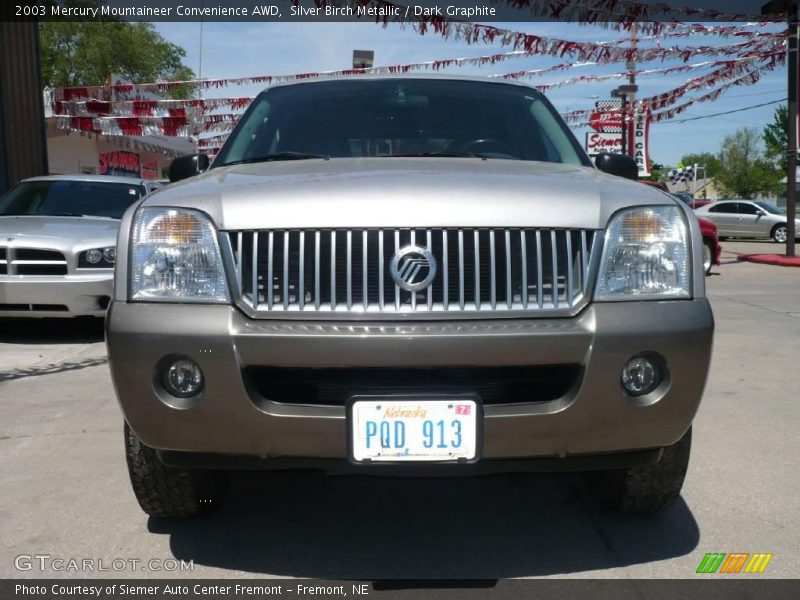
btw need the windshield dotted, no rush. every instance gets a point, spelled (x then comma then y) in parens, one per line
(770, 208)
(70, 198)
(402, 117)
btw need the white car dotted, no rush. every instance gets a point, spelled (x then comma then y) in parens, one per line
(57, 243)
(747, 218)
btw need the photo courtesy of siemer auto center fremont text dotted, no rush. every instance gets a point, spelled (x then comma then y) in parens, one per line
(399, 299)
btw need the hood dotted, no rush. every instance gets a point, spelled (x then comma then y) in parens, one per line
(60, 233)
(405, 192)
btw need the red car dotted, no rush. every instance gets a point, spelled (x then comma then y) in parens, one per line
(698, 203)
(711, 247)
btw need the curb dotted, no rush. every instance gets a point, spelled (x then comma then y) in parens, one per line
(771, 259)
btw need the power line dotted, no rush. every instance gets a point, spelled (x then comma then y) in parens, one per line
(727, 112)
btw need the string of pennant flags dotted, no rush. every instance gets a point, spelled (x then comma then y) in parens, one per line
(730, 69)
(129, 109)
(523, 44)
(185, 117)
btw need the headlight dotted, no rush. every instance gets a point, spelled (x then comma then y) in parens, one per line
(646, 256)
(175, 257)
(97, 258)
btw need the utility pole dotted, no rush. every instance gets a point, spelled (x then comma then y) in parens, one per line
(789, 8)
(623, 92)
(632, 78)
(627, 93)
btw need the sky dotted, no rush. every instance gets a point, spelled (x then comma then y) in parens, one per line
(249, 49)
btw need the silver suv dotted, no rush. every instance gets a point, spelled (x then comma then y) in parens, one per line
(407, 276)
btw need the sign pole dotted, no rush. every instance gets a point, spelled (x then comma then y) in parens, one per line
(791, 154)
(789, 8)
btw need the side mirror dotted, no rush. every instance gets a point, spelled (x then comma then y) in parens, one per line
(760, 213)
(617, 164)
(187, 166)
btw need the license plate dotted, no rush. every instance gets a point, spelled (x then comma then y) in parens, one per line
(414, 430)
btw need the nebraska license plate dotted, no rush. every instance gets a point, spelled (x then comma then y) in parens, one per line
(394, 430)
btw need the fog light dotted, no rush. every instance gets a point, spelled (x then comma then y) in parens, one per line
(183, 378)
(640, 376)
(94, 256)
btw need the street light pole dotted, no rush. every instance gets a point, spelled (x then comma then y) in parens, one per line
(623, 92)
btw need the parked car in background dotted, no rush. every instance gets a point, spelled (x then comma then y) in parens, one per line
(684, 197)
(58, 243)
(698, 203)
(711, 247)
(748, 219)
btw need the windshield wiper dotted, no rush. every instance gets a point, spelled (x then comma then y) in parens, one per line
(288, 155)
(444, 153)
(69, 214)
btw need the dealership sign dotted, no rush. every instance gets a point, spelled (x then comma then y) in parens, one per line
(638, 139)
(605, 121)
(119, 163)
(603, 142)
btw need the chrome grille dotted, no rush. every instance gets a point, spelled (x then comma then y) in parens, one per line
(491, 270)
(32, 261)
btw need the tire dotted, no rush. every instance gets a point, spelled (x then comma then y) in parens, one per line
(780, 233)
(168, 492)
(645, 489)
(708, 257)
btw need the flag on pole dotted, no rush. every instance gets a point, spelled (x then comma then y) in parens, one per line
(683, 174)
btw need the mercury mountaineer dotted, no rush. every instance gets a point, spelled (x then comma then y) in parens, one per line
(407, 276)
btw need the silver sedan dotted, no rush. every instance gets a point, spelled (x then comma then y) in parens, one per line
(747, 218)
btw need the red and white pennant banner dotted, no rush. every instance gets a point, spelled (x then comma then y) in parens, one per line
(139, 126)
(749, 79)
(727, 70)
(578, 118)
(472, 33)
(146, 108)
(92, 93)
(523, 44)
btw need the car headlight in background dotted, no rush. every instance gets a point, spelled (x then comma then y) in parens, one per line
(97, 258)
(175, 257)
(646, 255)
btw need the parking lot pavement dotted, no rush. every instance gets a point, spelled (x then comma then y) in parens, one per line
(66, 491)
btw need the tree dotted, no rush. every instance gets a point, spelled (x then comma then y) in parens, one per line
(656, 172)
(86, 53)
(776, 137)
(712, 163)
(745, 172)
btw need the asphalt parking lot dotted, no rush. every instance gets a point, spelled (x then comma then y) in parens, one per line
(65, 490)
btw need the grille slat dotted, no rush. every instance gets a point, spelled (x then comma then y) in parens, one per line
(502, 270)
(32, 261)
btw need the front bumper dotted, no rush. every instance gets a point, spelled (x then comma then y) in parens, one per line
(231, 418)
(56, 295)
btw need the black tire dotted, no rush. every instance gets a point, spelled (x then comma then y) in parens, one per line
(779, 233)
(708, 256)
(168, 492)
(645, 489)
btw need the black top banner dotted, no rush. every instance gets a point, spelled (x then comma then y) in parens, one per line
(623, 12)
